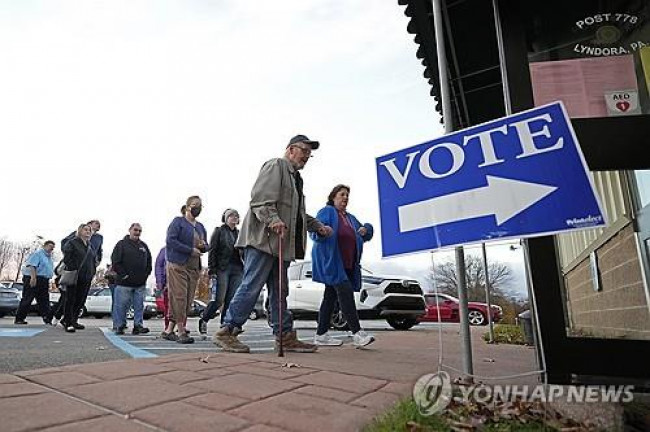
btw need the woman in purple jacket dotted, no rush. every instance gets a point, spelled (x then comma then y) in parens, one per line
(186, 242)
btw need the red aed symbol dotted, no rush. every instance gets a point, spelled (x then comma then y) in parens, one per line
(623, 105)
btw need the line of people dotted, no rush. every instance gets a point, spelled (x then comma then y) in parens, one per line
(240, 263)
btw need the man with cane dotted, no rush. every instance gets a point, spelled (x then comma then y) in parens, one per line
(276, 218)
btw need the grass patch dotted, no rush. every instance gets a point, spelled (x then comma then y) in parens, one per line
(507, 334)
(405, 417)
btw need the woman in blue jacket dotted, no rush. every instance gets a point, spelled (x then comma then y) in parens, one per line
(335, 263)
(186, 242)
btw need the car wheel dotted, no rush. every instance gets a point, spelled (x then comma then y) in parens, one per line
(338, 321)
(83, 312)
(130, 314)
(2, 314)
(99, 316)
(401, 322)
(476, 318)
(146, 316)
(253, 315)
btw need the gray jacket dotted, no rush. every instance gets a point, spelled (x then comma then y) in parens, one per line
(274, 198)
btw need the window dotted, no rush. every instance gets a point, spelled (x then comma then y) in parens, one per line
(595, 57)
(294, 272)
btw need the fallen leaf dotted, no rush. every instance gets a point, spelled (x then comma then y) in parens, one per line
(100, 348)
(204, 359)
(290, 365)
(414, 426)
(488, 360)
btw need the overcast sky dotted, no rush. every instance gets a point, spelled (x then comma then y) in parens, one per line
(119, 110)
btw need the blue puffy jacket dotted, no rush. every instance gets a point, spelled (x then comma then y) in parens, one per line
(327, 264)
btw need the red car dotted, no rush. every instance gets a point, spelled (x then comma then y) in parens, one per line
(449, 310)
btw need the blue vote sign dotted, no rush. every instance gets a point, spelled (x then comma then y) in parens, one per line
(519, 176)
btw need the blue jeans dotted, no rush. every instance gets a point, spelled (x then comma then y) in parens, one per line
(124, 296)
(224, 287)
(260, 268)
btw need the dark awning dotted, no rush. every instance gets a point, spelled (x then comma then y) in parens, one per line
(472, 55)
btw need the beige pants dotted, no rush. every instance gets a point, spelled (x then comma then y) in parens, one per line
(181, 285)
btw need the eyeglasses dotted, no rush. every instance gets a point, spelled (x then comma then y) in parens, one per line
(306, 151)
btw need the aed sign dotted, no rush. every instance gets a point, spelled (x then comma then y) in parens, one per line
(515, 177)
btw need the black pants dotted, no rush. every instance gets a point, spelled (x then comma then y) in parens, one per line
(344, 293)
(42, 294)
(75, 299)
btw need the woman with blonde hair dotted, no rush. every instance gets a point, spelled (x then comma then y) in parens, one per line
(78, 256)
(186, 242)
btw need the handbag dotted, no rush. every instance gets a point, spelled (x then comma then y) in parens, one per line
(69, 277)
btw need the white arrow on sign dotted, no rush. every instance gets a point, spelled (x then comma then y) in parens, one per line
(503, 198)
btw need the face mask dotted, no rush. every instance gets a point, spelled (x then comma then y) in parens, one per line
(195, 211)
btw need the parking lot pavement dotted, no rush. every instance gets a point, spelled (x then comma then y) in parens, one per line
(257, 335)
(37, 345)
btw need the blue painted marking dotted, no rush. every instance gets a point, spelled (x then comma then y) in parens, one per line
(7, 332)
(120, 343)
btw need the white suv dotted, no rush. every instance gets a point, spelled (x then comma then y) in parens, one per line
(396, 299)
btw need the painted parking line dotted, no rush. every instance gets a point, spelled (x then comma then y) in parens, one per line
(120, 343)
(10, 332)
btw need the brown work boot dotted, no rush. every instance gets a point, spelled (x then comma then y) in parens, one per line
(225, 339)
(291, 343)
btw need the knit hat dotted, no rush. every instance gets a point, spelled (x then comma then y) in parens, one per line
(229, 212)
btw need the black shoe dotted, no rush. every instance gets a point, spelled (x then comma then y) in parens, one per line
(203, 326)
(119, 331)
(184, 338)
(137, 330)
(78, 326)
(20, 322)
(70, 329)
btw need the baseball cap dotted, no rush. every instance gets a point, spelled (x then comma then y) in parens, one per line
(302, 138)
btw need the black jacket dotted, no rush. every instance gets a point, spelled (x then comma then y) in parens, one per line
(222, 252)
(80, 256)
(131, 260)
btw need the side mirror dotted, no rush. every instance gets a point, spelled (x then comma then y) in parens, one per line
(308, 274)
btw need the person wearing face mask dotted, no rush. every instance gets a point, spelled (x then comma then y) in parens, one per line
(225, 267)
(186, 242)
(37, 273)
(277, 210)
(78, 255)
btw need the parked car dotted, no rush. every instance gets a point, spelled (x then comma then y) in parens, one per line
(9, 299)
(18, 286)
(197, 308)
(449, 310)
(397, 299)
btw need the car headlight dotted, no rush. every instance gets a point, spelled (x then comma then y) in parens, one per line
(372, 280)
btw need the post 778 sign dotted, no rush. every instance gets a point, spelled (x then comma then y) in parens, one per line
(519, 176)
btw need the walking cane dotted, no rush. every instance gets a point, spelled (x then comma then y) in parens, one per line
(280, 268)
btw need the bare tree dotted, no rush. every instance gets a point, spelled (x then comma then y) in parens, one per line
(7, 249)
(446, 277)
(24, 250)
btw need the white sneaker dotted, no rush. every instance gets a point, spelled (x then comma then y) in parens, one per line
(361, 339)
(55, 322)
(326, 340)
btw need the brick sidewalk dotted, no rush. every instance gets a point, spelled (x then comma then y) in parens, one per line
(336, 389)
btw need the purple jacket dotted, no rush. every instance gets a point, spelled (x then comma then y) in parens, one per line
(161, 266)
